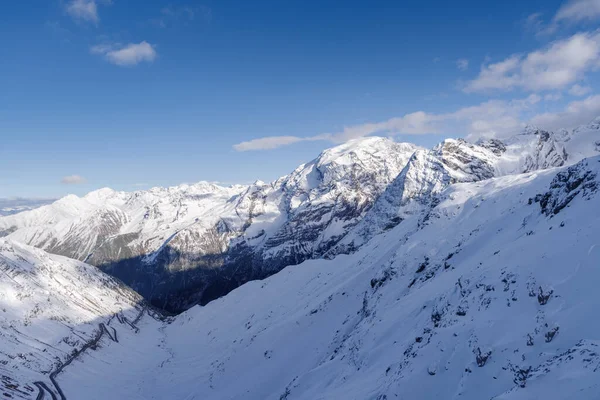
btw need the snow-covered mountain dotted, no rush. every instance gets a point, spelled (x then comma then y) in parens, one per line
(193, 243)
(51, 307)
(10, 206)
(429, 172)
(466, 271)
(491, 297)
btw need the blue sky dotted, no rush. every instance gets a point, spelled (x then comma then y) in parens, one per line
(133, 94)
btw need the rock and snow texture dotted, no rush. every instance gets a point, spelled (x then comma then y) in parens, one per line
(489, 297)
(429, 172)
(50, 307)
(191, 244)
(471, 273)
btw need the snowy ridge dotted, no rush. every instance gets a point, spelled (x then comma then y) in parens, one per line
(50, 307)
(490, 297)
(168, 241)
(191, 244)
(456, 161)
(469, 272)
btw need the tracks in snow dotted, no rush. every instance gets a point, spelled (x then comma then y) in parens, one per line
(43, 388)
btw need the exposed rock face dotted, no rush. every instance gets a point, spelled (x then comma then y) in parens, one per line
(188, 244)
(466, 162)
(578, 180)
(193, 243)
(548, 153)
(487, 300)
(416, 189)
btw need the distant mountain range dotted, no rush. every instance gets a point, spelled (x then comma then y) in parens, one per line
(467, 271)
(14, 205)
(190, 244)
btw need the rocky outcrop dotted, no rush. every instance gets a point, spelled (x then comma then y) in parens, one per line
(193, 243)
(548, 153)
(578, 180)
(190, 244)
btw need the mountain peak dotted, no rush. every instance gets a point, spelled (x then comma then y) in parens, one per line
(530, 130)
(100, 194)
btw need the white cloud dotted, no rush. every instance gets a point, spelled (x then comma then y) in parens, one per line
(578, 90)
(553, 97)
(554, 67)
(534, 22)
(268, 143)
(462, 64)
(491, 118)
(73, 180)
(573, 11)
(416, 123)
(128, 55)
(578, 10)
(576, 113)
(83, 10)
(185, 15)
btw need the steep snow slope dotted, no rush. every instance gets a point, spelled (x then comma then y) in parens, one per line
(50, 307)
(488, 294)
(191, 243)
(427, 173)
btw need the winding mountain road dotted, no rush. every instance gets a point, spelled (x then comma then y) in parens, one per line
(43, 388)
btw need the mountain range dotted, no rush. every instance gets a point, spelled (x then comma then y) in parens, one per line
(379, 270)
(190, 244)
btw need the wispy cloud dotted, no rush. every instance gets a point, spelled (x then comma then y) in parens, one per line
(73, 180)
(578, 90)
(552, 96)
(126, 55)
(535, 23)
(570, 13)
(417, 123)
(270, 142)
(578, 10)
(172, 15)
(576, 113)
(83, 10)
(491, 118)
(462, 64)
(560, 64)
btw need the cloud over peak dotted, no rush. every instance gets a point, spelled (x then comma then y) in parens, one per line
(126, 55)
(560, 64)
(73, 180)
(492, 118)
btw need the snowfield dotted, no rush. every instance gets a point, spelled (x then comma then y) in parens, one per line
(483, 297)
(191, 244)
(50, 307)
(467, 271)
